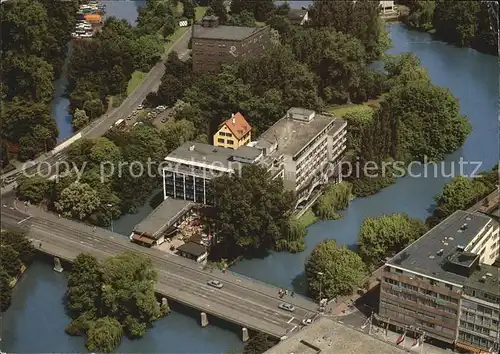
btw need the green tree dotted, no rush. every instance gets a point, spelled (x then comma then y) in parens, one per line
(35, 189)
(456, 21)
(80, 119)
(147, 50)
(9, 260)
(104, 335)
(337, 59)
(104, 150)
(177, 132)
(78, 200)
(251, 209)
(189, 9)
(5, 290)
(84, 287)
(94, 108)
(421, 13)
(387, 235)
(129, 291)
(20, 243)
(219, 10)
(335, 198)
(243, 19)
(461, 193)
(336, 270)
(359, 19)
(429, 125)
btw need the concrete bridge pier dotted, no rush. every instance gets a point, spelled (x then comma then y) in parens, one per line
(244, 334)
(57, 265)
(204, 319)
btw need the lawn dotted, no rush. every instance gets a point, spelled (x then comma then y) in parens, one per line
(177, 34)
(200, 11)
(344, 109)
(135, 81)
(308, 218)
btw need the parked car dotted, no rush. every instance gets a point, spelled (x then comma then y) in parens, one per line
(130, 117)
(139, 107)
(287, 307)
(306, 321)
(215, 283)
(161, 108)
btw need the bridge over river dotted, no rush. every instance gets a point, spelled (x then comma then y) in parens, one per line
(248, 303)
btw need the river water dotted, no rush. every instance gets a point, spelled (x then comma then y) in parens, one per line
(36, 320)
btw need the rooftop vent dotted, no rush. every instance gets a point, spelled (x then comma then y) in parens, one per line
(214, 150)
(432, 257)
(233, 119)
(191, 148)
(440, 252)
(468, 218)
(450, 238)
(446, 243)
(460, 248)
(489, 274)
(483, 279)
(464, 227)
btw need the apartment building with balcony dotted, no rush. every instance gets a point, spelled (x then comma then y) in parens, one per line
(422, 286)
(233, 133)
(214, 45)
(187, 170)
(304, 148)
(479, 326)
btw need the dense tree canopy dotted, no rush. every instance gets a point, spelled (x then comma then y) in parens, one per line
(386, 235)
(461, 193)
(359, 19)
(34, 39)
(333, 270)
(15, 250)
(110, 298)
(251, 211)
(463, 23)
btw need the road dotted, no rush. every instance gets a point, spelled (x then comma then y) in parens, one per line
(101, 125)
(248, 303)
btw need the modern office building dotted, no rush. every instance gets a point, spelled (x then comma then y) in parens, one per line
(189, 168)
(479, 328)
(214, 44)
(304, 149)
(422, 285)
(233, 133)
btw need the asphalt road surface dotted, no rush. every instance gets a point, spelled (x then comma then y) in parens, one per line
(101, 125)
(242, 301)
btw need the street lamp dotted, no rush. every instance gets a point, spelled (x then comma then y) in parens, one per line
(111, 205)
(320, 281)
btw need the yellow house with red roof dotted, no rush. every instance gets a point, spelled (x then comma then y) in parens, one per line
(233, 133)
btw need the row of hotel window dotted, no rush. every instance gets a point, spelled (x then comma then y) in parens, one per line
(228, 141)
(472, 339)
(484, 322)
(397, 314)
(425, 302)
(433, 282)
(422, 291)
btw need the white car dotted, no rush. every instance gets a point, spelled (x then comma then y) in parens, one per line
(306, 321)
(287, 307)
(139, 107)
(161, 108)
(215, 283)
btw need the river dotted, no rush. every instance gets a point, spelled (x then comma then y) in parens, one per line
(36, 320)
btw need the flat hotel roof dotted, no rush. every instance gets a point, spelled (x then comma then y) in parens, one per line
(421, 256)
(326, 336)
(292, 134)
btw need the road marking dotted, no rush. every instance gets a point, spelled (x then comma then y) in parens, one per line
(291, 319)
(293, 329)
(23, 220)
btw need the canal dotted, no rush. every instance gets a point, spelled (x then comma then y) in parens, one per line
(36, 320)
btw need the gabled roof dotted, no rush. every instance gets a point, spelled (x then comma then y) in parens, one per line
(238, 125)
